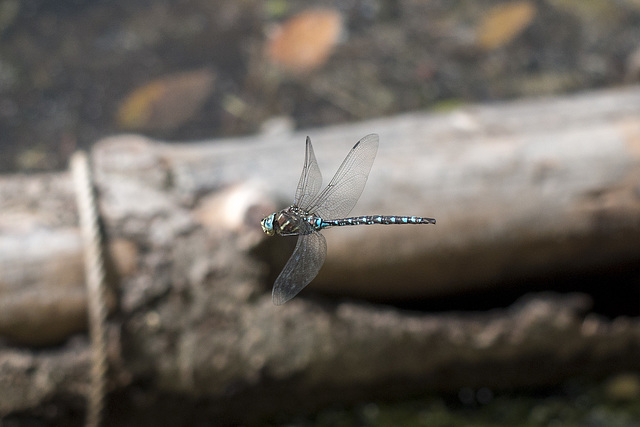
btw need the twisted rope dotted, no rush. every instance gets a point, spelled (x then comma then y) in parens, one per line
(95, 280)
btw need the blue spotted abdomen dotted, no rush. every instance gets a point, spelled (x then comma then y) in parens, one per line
(319, 223)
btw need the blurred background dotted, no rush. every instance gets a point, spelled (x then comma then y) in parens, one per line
(75, 71)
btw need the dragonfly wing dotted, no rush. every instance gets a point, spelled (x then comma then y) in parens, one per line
(342, 193)
(302, 267)
(310, 180)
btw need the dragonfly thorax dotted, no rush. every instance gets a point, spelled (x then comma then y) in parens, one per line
(291, 221)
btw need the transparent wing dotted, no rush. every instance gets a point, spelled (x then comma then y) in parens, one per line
(302, 267)
(344, 190)
(310, 180)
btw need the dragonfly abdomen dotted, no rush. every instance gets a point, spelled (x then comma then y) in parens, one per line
(372, 219)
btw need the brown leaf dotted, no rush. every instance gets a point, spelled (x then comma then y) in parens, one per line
(503, 23)
(305, 41)
(166, 103)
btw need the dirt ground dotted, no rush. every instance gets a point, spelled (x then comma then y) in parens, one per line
(73, 71)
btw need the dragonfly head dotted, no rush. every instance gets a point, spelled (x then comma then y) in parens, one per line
(267, 224)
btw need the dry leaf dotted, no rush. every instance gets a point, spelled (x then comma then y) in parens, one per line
(166, 103)
(305, 41)
(504, 22)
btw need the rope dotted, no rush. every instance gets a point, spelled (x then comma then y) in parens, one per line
(96, 289)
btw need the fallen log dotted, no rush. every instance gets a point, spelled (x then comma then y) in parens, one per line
(520, 190)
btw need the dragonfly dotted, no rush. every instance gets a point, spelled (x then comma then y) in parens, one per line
(314, 210)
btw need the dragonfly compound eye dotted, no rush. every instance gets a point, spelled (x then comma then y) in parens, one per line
(267, 225)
